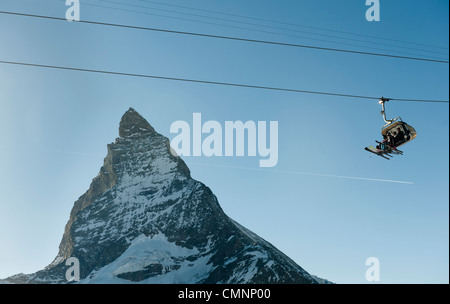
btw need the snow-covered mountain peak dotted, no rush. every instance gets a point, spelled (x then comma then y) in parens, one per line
(145, 220)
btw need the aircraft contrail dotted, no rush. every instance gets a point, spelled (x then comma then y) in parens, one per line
(272, 170)
(306, 173)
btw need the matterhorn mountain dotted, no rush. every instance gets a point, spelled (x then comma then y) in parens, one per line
(145, 220)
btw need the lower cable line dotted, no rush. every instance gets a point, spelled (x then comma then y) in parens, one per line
(35, 65)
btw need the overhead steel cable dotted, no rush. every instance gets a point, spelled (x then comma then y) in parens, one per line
(229, 84)
(261, 25)
(268, 32)
(226, 37)
(254, 24)
(290, 24)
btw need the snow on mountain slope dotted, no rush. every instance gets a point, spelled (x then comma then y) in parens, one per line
(169, 263)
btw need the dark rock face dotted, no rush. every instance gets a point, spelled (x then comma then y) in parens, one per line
(144, 219)
(132, 123)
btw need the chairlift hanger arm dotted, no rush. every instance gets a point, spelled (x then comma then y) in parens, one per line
(383, 111)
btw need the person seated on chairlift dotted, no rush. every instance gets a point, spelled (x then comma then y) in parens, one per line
(394, 139)
(384, 145)
(388, 140)
(400, 138)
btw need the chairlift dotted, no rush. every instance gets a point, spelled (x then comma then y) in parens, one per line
(395, 133)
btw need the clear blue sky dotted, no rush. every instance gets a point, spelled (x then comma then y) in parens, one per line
(56, 124)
